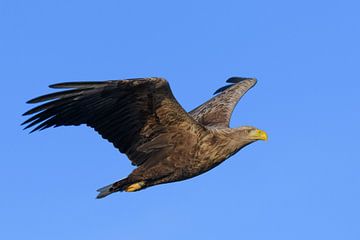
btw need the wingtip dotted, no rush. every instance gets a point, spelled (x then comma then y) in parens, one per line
(34, 100)
(27, 112)
(104, 191)
(239, 79)
(24, 128)
(62, 85)
(233, 81)
(27, 132)
(222, 89)
(55, 85)
(79, 84)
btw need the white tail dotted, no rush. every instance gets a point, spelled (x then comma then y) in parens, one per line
(111, 188)
(104, 191)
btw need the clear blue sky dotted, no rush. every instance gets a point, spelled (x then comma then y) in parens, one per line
(304, 183)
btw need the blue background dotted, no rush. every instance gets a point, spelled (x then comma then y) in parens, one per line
(301, 184)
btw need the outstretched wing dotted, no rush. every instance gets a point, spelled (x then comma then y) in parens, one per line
(217, 111)
(137, 115)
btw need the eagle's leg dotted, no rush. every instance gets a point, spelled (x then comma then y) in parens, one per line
(135, 186)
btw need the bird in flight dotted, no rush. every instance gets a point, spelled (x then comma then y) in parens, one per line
(142, 119)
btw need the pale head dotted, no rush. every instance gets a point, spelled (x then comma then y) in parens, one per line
(252, 133)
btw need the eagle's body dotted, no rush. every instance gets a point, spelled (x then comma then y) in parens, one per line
(142, 119)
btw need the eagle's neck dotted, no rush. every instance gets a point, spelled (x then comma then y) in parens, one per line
(229, 141)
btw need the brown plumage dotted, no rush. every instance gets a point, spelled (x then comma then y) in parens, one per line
(142, 119)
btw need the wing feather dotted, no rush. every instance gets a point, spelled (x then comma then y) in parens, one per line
(217, 111)
(129, 113)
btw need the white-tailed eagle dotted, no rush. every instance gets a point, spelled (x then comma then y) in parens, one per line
(142, 119)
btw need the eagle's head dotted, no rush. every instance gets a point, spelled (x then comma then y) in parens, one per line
(252, 133)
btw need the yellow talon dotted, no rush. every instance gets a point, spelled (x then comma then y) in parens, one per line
(135, 187)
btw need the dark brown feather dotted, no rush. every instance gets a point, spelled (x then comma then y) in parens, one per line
(129, 113)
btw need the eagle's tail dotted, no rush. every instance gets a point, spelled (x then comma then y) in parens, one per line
(114, 187)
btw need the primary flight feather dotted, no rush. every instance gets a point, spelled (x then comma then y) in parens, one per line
(142, 119)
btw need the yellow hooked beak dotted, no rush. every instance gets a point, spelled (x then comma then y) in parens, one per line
(259, 135)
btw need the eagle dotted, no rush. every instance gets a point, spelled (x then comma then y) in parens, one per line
(143, 120)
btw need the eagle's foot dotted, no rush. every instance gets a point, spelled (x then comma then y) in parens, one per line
(135, 187)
